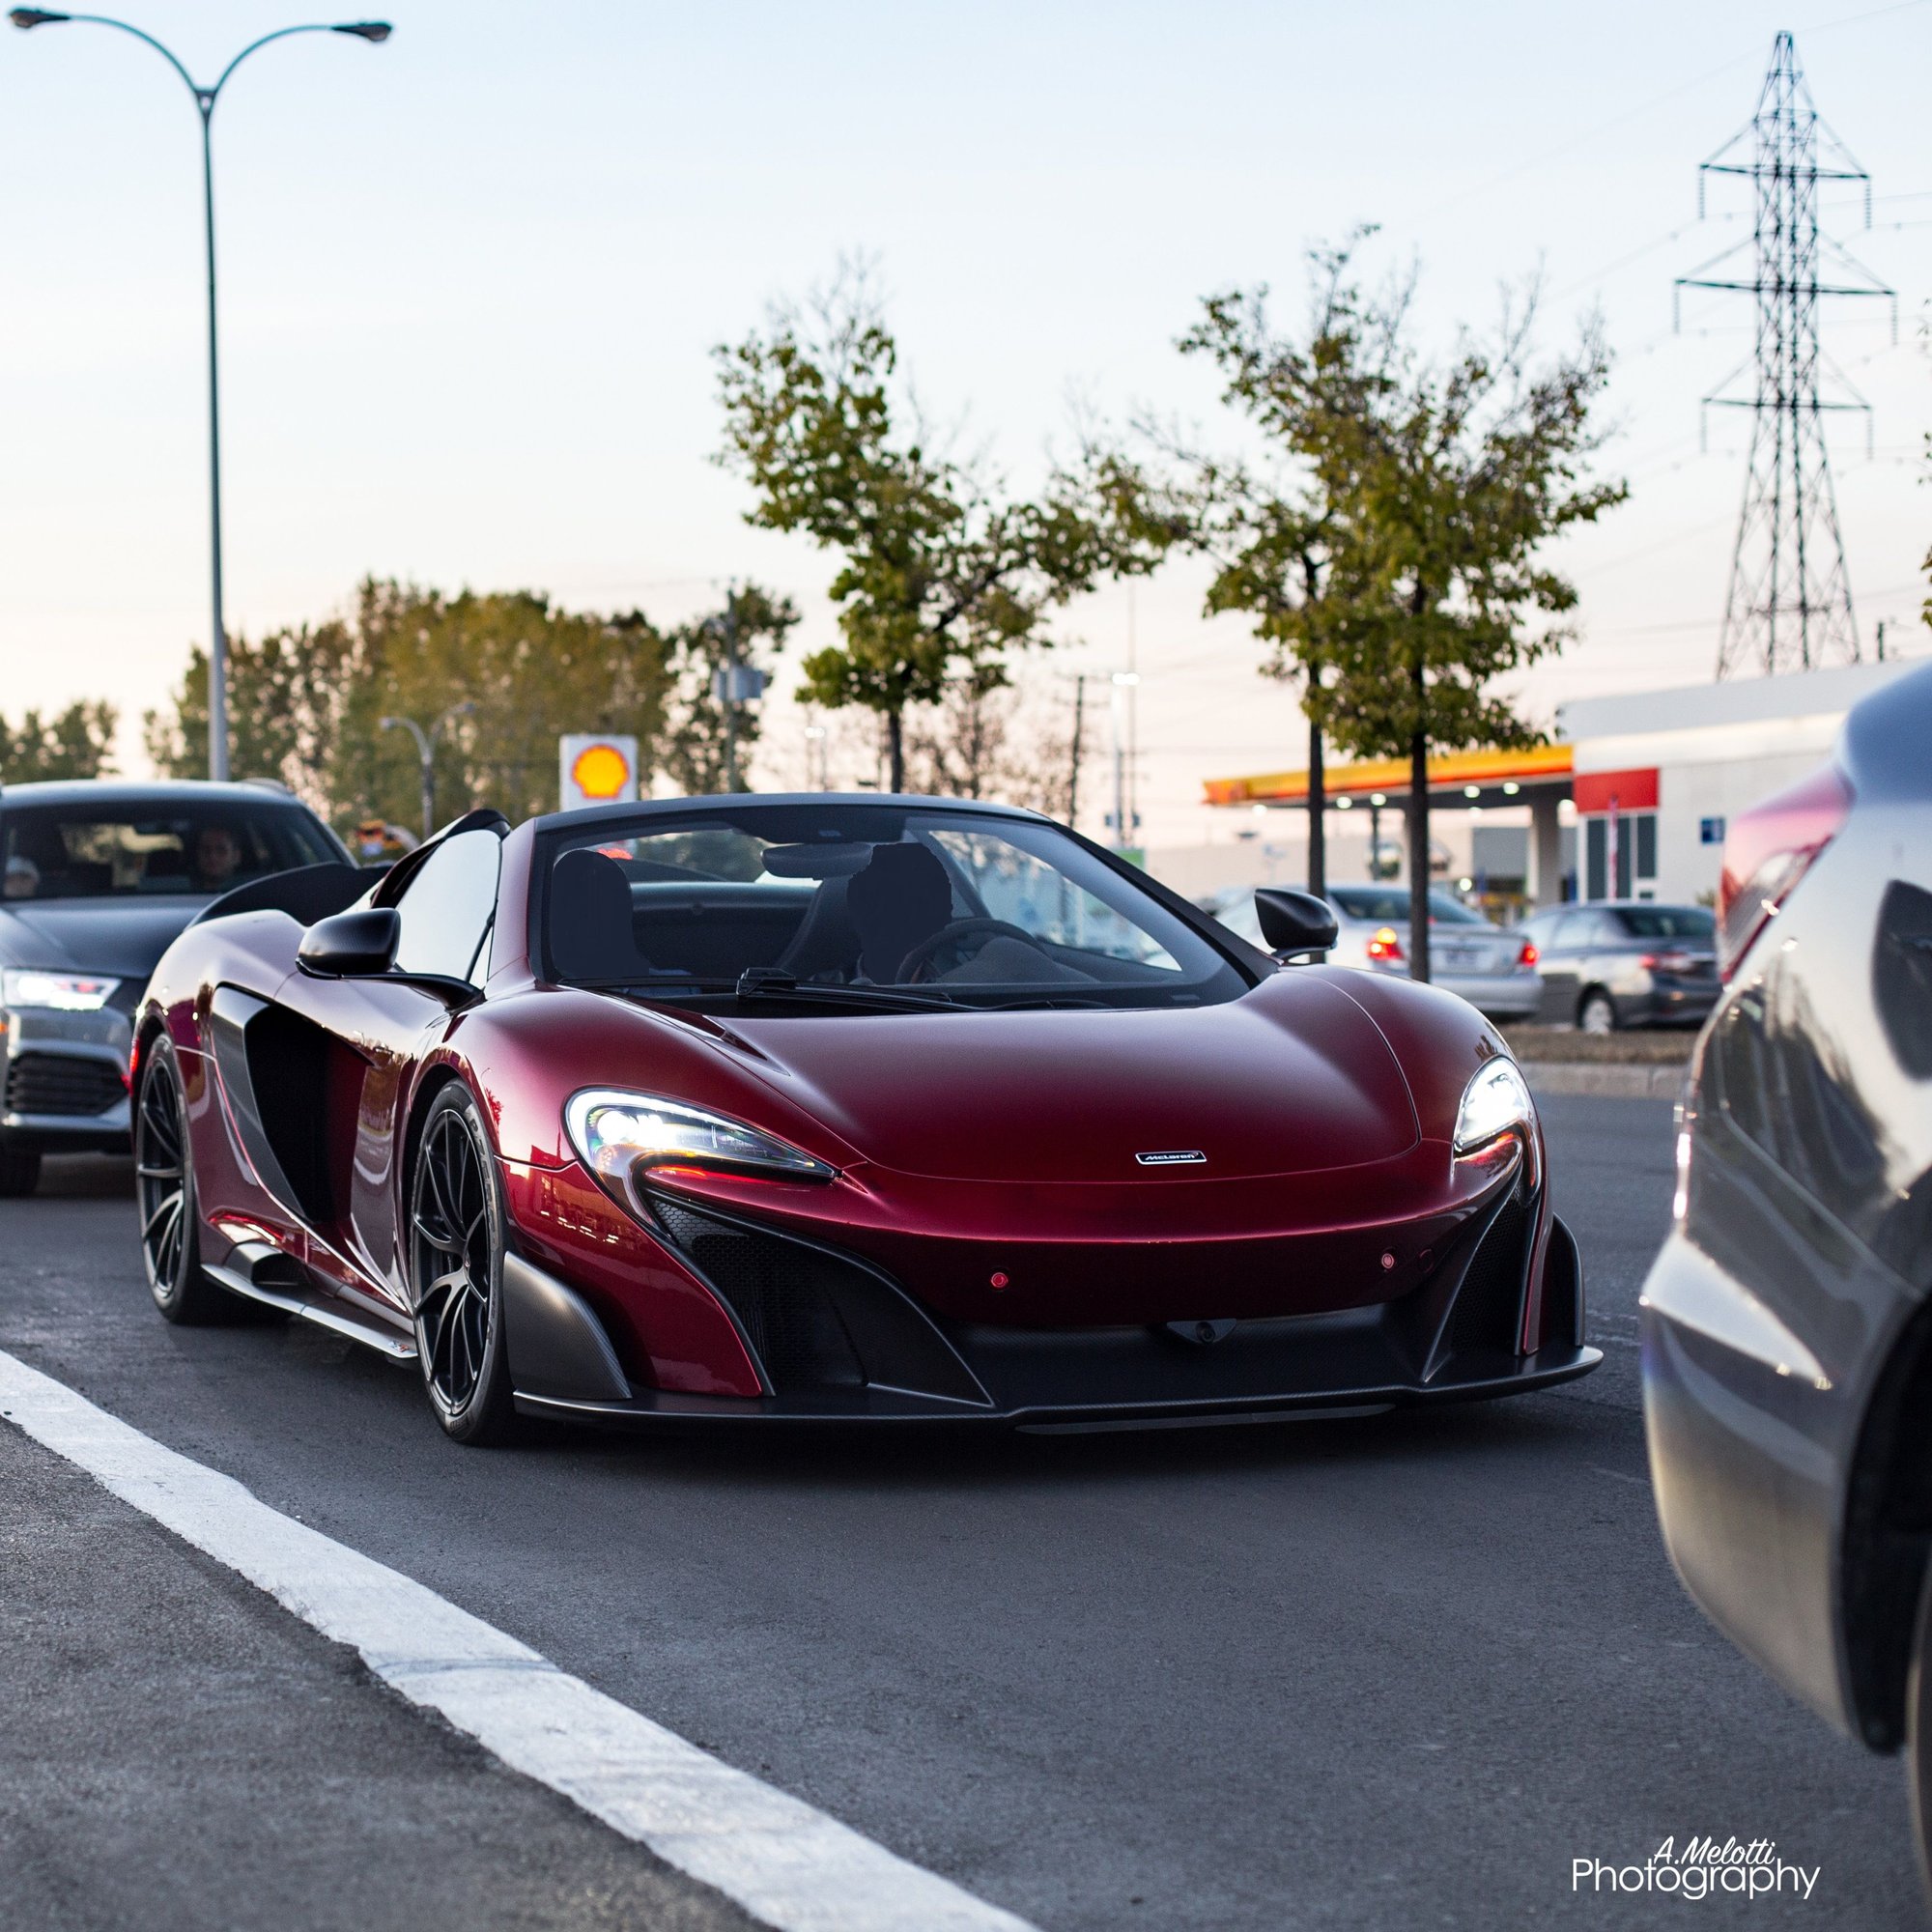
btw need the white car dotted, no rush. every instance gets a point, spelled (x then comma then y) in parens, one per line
(1491, 967)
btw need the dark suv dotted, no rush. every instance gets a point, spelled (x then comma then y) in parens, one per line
(1611, 963)
(96, 878)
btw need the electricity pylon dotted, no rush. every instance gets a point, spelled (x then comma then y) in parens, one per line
(1790, 601)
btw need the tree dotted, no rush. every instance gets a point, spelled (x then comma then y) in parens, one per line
(77, 743)
(305, 704)
(939, 571)
(285, 700)
(983, 741)
(703, 738)
(532, 671)
(1270, 524)
(1457, 476)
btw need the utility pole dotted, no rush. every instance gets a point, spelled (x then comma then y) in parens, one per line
(426, 742)
(1318, 805)
(1123, 683)
(731, 690)
(1079, 732)
(1789, 606)
(1133, 716)
(375, 32)
(732, 684)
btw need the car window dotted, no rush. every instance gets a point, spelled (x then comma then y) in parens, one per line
(1571, 932)
(1388, 905)
(1669, 922)
(108, 848)
(445, 908)
(842, 894)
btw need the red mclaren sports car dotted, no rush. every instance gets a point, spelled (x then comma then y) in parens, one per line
(835, 1109)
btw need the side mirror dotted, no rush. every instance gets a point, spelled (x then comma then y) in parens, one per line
(352, 945)
(1294, 923)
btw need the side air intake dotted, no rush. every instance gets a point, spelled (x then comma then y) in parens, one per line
(1489, 1304)
(814, 1318)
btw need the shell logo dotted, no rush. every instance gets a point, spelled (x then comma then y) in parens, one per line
(600, 772)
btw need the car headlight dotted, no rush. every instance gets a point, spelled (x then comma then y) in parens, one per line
(1494, 1103)
(615, 1133)
(64, 992)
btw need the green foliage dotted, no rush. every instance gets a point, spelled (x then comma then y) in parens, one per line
(283, 710)
(76, 743)
(532, 671)
(306, 705)
(1389, 544)
(988, 742)
(1463, 474)
(938, 570)
(693, 751)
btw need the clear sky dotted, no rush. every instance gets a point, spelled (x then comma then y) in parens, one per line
(469, 280)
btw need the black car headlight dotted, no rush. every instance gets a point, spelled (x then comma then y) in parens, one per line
(616, 1133)
(1495, 1102)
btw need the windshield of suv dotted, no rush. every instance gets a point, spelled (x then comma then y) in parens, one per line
(814, 900)
(109, 849)
(1669, 923)
(1388, 905)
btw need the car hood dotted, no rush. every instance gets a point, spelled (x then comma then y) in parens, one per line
(121, 937)
(1293, 1078)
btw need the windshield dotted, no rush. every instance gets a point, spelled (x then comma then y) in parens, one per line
(1388, 905)
(818, 899)
(1669, 923)
(103, 849)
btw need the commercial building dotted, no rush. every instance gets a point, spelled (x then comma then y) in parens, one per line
(1658, 776)
(1631, 798)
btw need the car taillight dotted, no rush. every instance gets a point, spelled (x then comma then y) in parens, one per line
(1529, 955)
(1768, 850)
(1385, 945)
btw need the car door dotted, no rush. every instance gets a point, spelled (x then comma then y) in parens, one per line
(369, 1036)
(1557, 964)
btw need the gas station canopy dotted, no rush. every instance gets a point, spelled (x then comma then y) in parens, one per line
(1454, 778)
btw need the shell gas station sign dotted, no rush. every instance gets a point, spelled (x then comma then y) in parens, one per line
(596, 768)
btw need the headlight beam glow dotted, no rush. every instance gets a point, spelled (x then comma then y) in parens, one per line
(615, 1133)
(1495, 1102)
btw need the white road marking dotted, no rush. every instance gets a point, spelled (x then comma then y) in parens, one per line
(1622, 1476)
(785, 1864)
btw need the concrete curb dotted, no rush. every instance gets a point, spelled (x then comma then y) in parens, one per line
(1621, 1082)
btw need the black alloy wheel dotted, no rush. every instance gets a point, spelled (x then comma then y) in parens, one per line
(165, 1191)
(456, 1272)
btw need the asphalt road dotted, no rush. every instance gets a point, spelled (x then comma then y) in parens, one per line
(1394, 1672)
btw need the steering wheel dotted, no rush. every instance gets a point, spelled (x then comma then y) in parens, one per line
(917, 965)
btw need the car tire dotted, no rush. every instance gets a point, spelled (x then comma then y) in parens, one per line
(19, 1173)
(1919, 1733)
(165, 1192)
(1597, 1012)
(456, 1272)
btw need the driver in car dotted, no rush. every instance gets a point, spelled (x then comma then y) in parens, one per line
(217, 858)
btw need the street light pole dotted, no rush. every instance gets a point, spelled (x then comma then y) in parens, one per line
(426, 751)
(205, 97)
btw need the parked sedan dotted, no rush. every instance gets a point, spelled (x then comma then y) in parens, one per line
(1487, 965)
(96, 879)
(1787, 1338)
(1611, 963)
